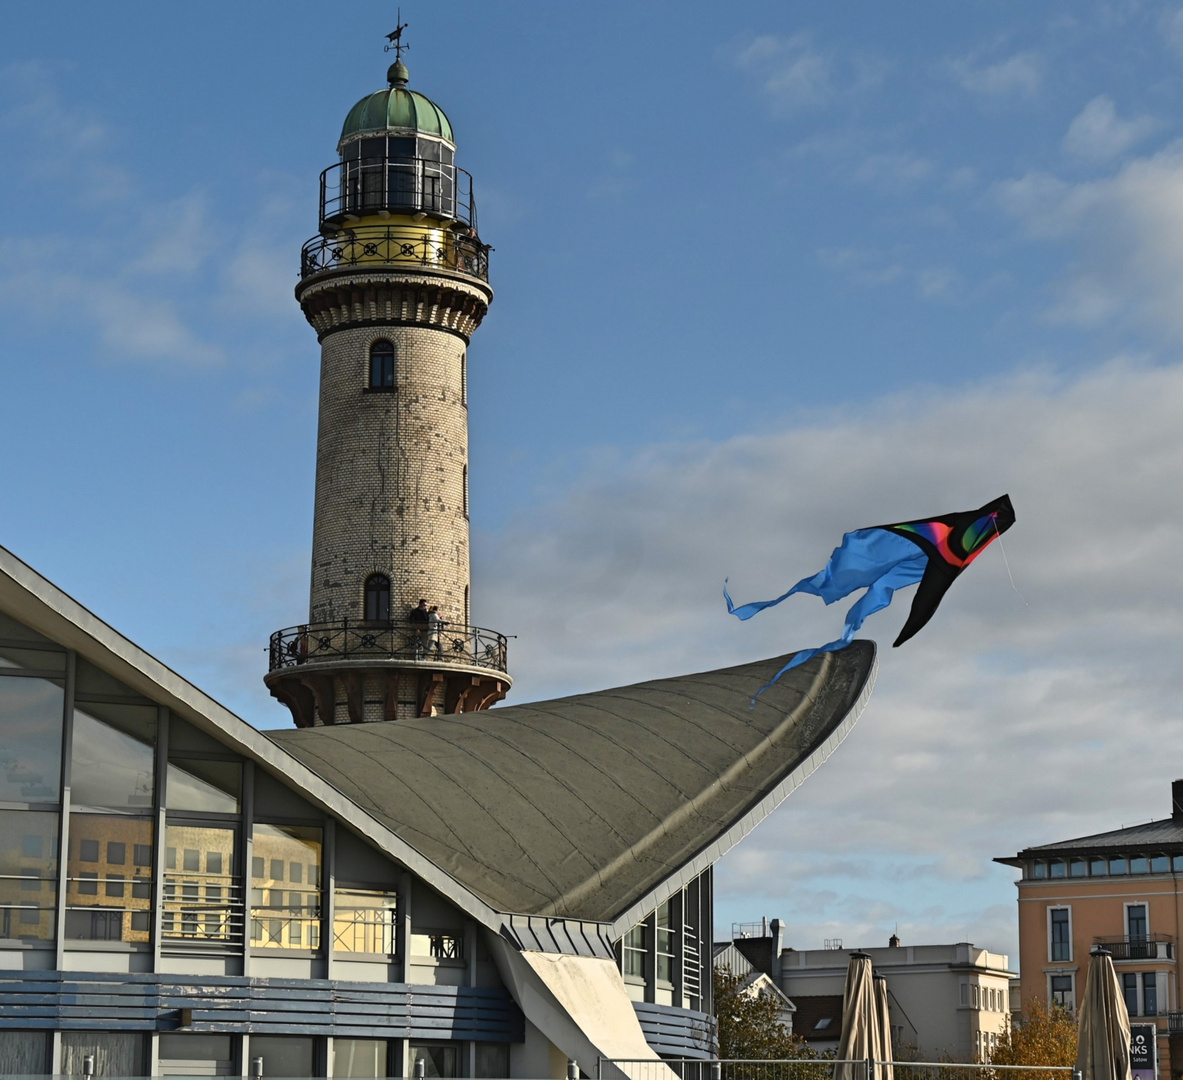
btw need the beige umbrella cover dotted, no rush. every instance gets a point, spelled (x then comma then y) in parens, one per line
(883, 1022)
(860, 1027)
(1103, 1049)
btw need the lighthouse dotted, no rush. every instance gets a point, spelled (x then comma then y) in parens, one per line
(394, 283)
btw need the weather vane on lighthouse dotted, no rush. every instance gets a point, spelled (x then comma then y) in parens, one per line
(395, 38)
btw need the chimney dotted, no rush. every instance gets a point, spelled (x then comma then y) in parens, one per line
(1177, 800)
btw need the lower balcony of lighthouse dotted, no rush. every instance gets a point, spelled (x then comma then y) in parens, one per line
(353, 672)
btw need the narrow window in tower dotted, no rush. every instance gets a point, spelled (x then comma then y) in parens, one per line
(382, 366)
(465, 494)
(377, 598)
(464, 379)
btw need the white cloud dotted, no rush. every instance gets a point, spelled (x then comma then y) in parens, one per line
(1098, 134)
(791, 71)
(1020, 75)
(1127, 232)
(1006, 722)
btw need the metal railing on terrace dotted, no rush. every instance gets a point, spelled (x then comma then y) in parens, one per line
(1150, 947)
(454, 643)
(412, 246)
(827, 1069)
(396, 185)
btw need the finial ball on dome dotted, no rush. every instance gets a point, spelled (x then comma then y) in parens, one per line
(397, 74)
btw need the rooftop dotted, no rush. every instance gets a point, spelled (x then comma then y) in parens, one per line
(611, 795)
(397, 110)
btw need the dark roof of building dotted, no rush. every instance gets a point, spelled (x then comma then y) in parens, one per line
(586, 806)
(818, 1016)
(1152, 836)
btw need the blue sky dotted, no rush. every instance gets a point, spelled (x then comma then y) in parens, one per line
(764, 273)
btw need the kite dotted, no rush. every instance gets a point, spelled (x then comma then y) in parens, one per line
(881, 559)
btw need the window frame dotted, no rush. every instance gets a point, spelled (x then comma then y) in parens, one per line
(1071, 977)
(375, 579)
(1051, 942)
(382, 387)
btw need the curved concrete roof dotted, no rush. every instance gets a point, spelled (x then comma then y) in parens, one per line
(583, 806)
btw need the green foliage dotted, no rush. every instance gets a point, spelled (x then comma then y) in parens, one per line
(749, 1025)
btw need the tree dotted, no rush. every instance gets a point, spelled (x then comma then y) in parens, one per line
(749, 1023)
(1045, 1037)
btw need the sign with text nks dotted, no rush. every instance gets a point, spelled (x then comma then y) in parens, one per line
(1144, 1051)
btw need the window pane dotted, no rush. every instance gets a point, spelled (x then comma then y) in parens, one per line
(1118, 866)
(492, 1059)
(1139, 864)
(113, 761)
(1159, 864)
(31, 752)
(214, 787)
(184, 1053)
(28, 875)
(1129, 988)
(283, 1055)
(282, 916)
(115, 1053)
(439, 1059)
(121, 909)
(12, 656)
(1149, 994)
(1077, 868)
(364, 921)
(24, 1053)
(359, 1057)
(1039, 870)
(202, 895)
(1057, 868)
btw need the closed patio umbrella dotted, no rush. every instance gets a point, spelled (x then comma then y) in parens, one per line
(883, 1022)
(1103, 1049)
(860, 1024)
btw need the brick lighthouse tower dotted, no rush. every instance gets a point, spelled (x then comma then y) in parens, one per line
(394, 285)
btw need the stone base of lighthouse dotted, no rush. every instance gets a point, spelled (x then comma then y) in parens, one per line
(355, 692)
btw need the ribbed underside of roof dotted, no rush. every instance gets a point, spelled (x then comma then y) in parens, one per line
(578, 807)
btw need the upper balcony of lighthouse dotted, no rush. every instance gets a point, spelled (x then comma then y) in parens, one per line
(396, 196)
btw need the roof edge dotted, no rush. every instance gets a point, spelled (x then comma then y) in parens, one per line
(753, 816)
(36, 601)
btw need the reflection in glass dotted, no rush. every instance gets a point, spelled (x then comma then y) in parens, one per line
(31, 751)
(112, 764)
(24, 1053)
(213, 787)
(283, 1055)
(48, 660)
(109, 878)
(439, 1058)
(115, 1053)
(285, 887)
(28, 875)
(492, 1059)
(359, 1057)
(202, 892)
(186, 1053)
(364, 921)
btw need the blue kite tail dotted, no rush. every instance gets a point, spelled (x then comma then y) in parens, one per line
(799, 659)
(746, 611)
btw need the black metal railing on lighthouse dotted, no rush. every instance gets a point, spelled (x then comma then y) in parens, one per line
(353, 639)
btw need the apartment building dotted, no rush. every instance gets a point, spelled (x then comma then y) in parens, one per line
(1119, 890)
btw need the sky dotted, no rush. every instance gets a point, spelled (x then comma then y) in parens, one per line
(765, 272)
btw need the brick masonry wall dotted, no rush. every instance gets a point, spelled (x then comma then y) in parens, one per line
(390, 475)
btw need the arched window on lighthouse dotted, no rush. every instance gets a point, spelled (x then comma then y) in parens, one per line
(382, 366)
(377, 598)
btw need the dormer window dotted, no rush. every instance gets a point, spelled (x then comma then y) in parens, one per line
(382, 366)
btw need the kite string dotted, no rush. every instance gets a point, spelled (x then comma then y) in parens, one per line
(1006, 563)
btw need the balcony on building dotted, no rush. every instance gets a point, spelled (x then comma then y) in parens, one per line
(1127, 947)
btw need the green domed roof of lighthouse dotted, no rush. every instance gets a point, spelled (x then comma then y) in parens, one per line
(397, 109)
